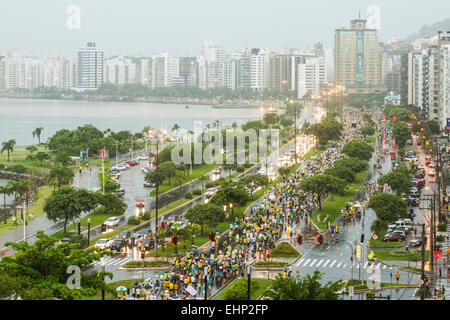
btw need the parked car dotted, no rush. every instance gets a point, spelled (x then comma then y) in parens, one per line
(146, 170)
(394, 236)
(112, 222)
(131, 163)
(117, 244)
(144, 232)
(139, 158)
(149, 184)
(427, 160)
(135, 238)
(126, 165)
(103, 244)
(119, 192)
(412, 201)
(217, 170)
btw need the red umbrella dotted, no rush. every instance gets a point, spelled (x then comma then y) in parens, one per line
(151, 154)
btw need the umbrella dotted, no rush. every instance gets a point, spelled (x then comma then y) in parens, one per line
(121, 288)
(151, 154)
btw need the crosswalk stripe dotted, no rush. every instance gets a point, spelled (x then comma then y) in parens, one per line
(365, 266)
(120, 261)
(339, 264)
(357, 266)
(344, 265)
(384, 267)
(307, 261)
(326, 263)
(333, 263)
(320, 262)
(378, 265)
(341, 254)
(312, 263)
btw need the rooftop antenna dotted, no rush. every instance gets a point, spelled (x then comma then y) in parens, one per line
(359, 14)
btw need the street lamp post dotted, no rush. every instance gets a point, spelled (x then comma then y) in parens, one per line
(249, 279)
(89, 231)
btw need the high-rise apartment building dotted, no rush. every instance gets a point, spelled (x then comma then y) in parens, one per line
(211, 59)
(280, 72)
(259, 69)
(311, 74)
(160, 70)
(357, 58)
(119, 71)
(90, 67)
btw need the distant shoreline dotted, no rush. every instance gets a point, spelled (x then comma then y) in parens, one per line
(155, 101)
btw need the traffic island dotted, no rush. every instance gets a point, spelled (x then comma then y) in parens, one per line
(285, 250)
(360, 286)
(238, 289)
(412, 255)
(270, 265)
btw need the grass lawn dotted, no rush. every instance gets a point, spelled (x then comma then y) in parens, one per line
(284, 250)
(331, 209)
(262, 285)
(196, 173)
(411, 269)
(126, 283)
(273, 264)
(359, 285)
(314, 152)
(400, 255)
(148, 264)
(380, 243)
(36, 209)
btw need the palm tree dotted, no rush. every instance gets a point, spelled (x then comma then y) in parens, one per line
(175, 127)
(40, 156)
(6, 190)
(37, 133)
(31, 149)
(8, 146)
(60, 174)
(14, 191)
(179, 176)
(234, 126)
(23, 188)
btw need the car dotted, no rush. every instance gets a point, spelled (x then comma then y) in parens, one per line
(416, 242)
(112, 222)
(149, 184)
(395, 236)
(217, 170)
(140, 203)
(139, 158)
(412, 201)
(171, 220)
(146, 170)
(114, 177)
(119, 192)
(135, 238)
(420, 174)
(117, 244)
(427, 160)
(126, 165)
(144, 232)
(125, 234)
(131, 163)
(103, 244)
(409, 142)
(120, 167)
(148, 243)
(432, 172)
(66, 239)
(419, 142)
(432, 165)
(114, 172)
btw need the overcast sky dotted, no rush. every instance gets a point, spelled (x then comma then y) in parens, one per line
(143, 27)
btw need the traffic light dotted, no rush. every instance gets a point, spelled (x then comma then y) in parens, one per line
(298, 239)
(142, 254)
(351, 256)
(362, 238)
(319, 239)
(210, 236)
(173, 240)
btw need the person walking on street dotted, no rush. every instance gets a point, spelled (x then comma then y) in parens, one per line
(397, 276)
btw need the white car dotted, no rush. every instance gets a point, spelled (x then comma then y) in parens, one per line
(142, 158)
(120, 167)
(112, 222)
(103, 244)
(126, 165)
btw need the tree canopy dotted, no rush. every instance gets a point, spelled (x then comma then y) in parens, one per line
(388, 207)
(40, 271)
(328, 129)
(400, 180)
(359, 150)
(209, 214)
(323, 184)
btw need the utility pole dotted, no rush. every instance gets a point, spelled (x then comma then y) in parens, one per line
(117, 153)
(422, 267)
(103, 169)
(156, 199)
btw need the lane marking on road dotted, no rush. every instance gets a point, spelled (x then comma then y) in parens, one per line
(357, 266)
(339, 264)
(365, 266)
(312, 263)
(344, 265)
(331, 265)
(320, 262)
(325, 264)
(384, 267)
(341, 254)
(305, 262)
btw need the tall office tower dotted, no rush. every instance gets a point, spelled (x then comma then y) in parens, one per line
(329, 64)
(120, 71)
(145, 71)
(311, 74)
(318, 49)
(357, 58)
(213, 57)
(280, 72)
(90, 67)
(245, 69)
(160, 64)
(259, 69)
(231, 72)
(396, 77)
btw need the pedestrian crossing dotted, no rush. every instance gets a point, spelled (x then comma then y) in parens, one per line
(337, 264)
(112, 261)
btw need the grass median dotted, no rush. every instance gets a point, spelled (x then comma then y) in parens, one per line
(400, 255)
(331, 209)
(238, 289)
